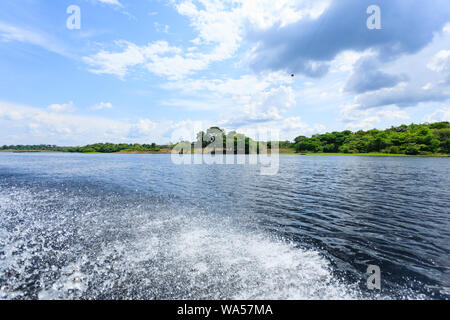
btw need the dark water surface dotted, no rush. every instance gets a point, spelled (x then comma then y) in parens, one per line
(139, 227)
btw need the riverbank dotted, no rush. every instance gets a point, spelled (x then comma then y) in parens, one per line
(282, 152)
(366, 154)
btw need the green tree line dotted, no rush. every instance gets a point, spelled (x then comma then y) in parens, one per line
(114, 148)
(414, 139)
(221, 141)
(91, 148)
(40, 147)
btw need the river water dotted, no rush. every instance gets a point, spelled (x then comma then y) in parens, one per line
(99, 226)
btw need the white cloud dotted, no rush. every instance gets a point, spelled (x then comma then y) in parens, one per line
(249, 100)
(10, 32)
(294, 126)
(266, 106)
(144, 127)
(356, 118)
(111, 2)
(63, 107)
(287, 129)
(115, 63)
(440, 62)
(439, 115)
(244, 85)
(402, 95)
(177, 66)
(352, 113)
(151, 56)
(425, 73)
(157, 57)
(102, 105)
(395, 114)
(34, 125)
(198, 104)
(220, 27)
(21, 124)
(345, 61)
(11, 112)
(446, 28)
(161, 27)
(427, 86)
(29, 125)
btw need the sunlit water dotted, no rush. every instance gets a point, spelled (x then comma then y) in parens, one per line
(139, 227)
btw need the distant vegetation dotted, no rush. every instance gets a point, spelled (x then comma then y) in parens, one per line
(219, 139)
(92, 148)
(40, 147)
(414, 139)
(113, 148)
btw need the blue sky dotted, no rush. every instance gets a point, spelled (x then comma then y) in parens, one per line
(160, 70)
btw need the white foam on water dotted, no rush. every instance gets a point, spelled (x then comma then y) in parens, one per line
(132, 252)
(204, 258)
(262, 267)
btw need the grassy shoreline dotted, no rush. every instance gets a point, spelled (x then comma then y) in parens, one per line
(283, 152)
(367, 154)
